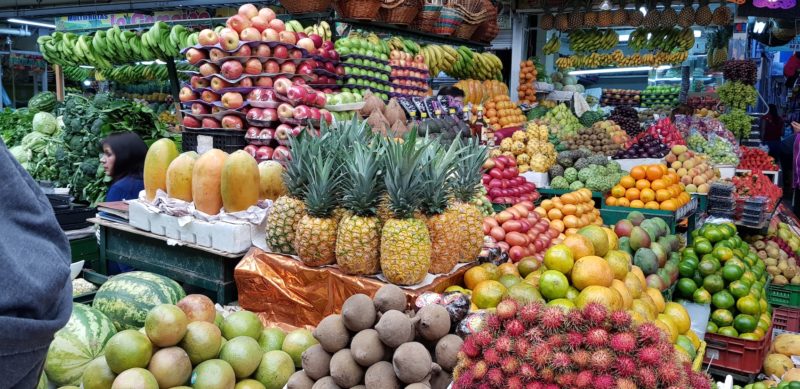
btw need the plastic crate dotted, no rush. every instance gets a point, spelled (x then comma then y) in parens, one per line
(611, 215)
(741, 355)
(697, 364)
(702, 202)
(783, 295)
(203, 140)
(786, 319)
(85, 249)
(74, 217)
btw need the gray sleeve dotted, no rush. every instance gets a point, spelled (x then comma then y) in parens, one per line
(35, 287)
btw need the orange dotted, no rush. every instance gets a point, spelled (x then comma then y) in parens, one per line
(569, 209)
(669, 205)
(557, 225)
(623, 202)
(655, 172)
(632, 194)
(580, 246)
(571, 221)
(662, 195)
(591, 270)
(647, 195)
(638, 173)
(637, 204)
(475, 276)
(652, 205)
(611, 201)
(658, 184)
(627, 182)
(618, 191)
(642, 184)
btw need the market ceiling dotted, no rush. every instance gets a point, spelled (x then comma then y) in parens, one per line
(57, 8)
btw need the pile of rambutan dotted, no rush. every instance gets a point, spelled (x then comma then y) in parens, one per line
(544, 347)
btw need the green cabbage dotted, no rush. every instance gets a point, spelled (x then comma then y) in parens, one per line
(20, 153)
(45, 123)
(35, 141)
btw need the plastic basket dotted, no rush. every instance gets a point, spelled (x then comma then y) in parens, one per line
(786, 319)
(225, 140)
(783, 295)
(697, 364)
(305, 6)
(741, 355)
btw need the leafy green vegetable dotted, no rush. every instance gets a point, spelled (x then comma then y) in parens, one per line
(45, 123)
(15, 124)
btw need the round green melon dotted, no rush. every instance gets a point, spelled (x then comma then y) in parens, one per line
(82, 340)
(126, 298)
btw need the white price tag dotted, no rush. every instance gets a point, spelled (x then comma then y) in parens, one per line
(712, 353)
(204, 143)
(796, 359)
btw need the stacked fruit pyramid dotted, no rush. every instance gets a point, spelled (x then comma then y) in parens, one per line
(374, 343)
(366, 57)
(251, 77)
(500, 112)
(409, 75)
(336, 210)
(650, 187)
(721, 269)
(527, 76)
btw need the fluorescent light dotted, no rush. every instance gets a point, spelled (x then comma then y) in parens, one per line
(616, 70)
(157, 62)
(758, 28)
(86, 66)
(643, 10)
(697, 33)
(32, 23)
(605, 5)
(624, 38)
(87, 82)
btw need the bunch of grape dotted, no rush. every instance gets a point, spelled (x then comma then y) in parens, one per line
(737, 122)
(627, 118)
(721, 152)
(696, 142)
(735, 94)
(743, 71)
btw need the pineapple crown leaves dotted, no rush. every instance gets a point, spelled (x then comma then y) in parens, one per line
(293, 174)
(402, 164)
(468, 172)
(438, 169)
(323, 180)
(361, 183)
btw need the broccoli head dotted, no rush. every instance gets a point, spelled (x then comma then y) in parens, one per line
(571, 174)
(556, 171)
(576, 185)
(559, 183)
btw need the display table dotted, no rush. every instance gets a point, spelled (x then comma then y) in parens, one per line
(201, 267)
(283, 291)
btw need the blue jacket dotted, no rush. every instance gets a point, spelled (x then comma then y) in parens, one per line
(126, 188)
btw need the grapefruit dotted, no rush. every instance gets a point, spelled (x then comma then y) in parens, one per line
(591, 270)
(243, 354)
(602, 295)
(97, 374)
(296, 343)
(135, 378)
(275, 369)
(198, 307)
(213, 374)
(271, 339)
(242, 323)
(625, 294)
(165, 325)
(553, 285)
(475, 276)
(170, 366)
(579, 245)
(128, 349)
(202, 341)
(249, 384)
(597, 237)
(488, 294)
(559, 257)
(620, 263)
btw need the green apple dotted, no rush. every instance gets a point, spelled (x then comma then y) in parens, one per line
(351, 81)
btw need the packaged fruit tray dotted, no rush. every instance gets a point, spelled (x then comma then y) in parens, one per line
(783, 295)
(736, 354)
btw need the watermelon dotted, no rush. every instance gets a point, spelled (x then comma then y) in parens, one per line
(127, 298)
(42, 102)
(82, 340)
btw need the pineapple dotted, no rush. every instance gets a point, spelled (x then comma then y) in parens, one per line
(561, 22)
(686, 16)
(635, 18)
(652, 19)
(590, 19)
(359, 237)
(576, 19)
(315, 233)
(722, 16)
(669, 18)
(437, 171)
(547, 22)
(604, 18)
(620, 16)
(287, 210)
(405, 242)
(703, 15)
(469, 225)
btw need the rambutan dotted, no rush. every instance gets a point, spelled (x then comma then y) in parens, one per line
(595, 314)
(492, 357)
(581, 358)
(699, 380)
(649, 356)
(495, 377)
(547, 374)
(551, 386)
(522, 347)
(575, 319)
(484, 386)
(534, 385)
(469, 348)
(556, 341)
(463, 381)
(551, 319)
(529, 314)
(493, 323)
(601, 360)
(514, 383)
(649, 334)
(566, 380)
(646, 378)
(596, 337)
(479, 370)
(669, 373)
(623, 342)
(620, 320)
(514, 328)
(507, 309)
(527, 372)
(535, 335)
(624, 383)
(584, 379)
(625, 366)
(574, 340)
(604, 381)
(509, 365)
(541, 357)
(482, 338)
(560, 361)
(503, 345)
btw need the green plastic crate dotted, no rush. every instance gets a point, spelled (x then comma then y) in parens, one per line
(85, 249)
(702, 202)
(783, 295)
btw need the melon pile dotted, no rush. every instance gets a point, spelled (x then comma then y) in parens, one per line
(212, 181)
(375, 344)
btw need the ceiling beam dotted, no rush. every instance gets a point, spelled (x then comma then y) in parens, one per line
(87, 8)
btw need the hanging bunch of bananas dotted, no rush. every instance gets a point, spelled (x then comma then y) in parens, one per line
(617, 58)
(134, 74)
(552, 46)
(403, 44)
(664, 39)
(76, 73)
(592, 40)
(103, 49)
(323, 29)
(462, 63)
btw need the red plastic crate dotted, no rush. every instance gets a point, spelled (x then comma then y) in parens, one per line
(786, 319)
(741, 355)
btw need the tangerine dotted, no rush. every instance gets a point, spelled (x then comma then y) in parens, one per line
(618, 190)
(623, 202)
(669, 205)
(654, 172)
(658, 184)
(591, 270)
(651, 205)
(488, 294)
(642, 184)
(475, 276)
(632, 194)
(647, 195)
(627, 182)
(637, 204)
(611, 201)
(662, 195)
(638, 173)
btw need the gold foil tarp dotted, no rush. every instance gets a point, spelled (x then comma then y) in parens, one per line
(285, 292)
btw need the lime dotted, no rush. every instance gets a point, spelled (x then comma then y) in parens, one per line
(723, 299)
(553, 284)
(728, 331)
(711, 328)
(686, 287)
(739, 288)
(749, 305)
(713, 283)
(701, 296)
(745, 323)
(732, 273)
(722, 317)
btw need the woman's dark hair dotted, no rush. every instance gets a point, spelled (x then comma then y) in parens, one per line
(129, 152)
(683, 109)
(451, 91)
(773, 110)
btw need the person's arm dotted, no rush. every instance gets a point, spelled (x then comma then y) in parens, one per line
(36, 297)
(795, 127)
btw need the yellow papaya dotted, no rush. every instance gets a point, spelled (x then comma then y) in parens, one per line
(240, 182)
(156, 162)
(179, 176)
(206, 181)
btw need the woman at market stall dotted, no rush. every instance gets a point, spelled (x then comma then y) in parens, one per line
(455, 93)
(37, 290)
(772, 131)
(123, 160)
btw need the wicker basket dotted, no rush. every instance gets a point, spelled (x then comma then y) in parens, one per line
(465, 31)
(449, 20)
(402, 14)
(358, 9)
(305, 6)
(427, 17)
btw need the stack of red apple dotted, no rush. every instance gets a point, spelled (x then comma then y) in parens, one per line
(520, 231)
(409, 74)
(504, 184)
(664, 131)
(253, 75)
